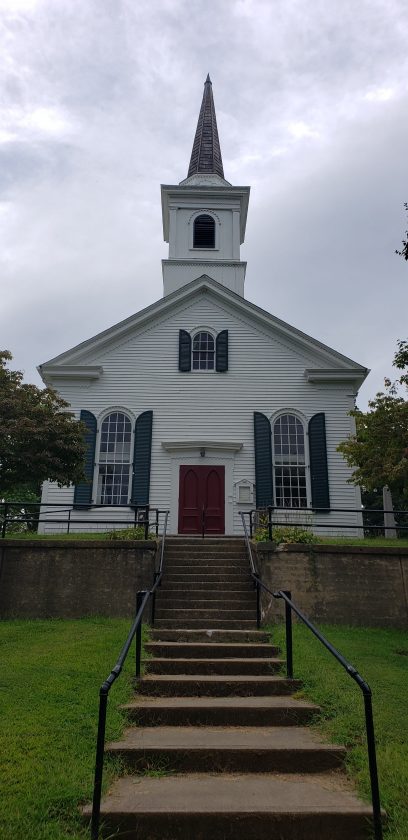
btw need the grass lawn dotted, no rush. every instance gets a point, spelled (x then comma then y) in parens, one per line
(49, 685)
(381, 656)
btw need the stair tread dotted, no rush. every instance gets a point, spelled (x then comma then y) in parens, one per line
(216, 678)
(219, 737)
(208, 793)
(218, 661)
(260, 702)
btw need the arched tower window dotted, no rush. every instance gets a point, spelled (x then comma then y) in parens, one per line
(114, 460)
(204, 232)
(203, 351)
(289, 462)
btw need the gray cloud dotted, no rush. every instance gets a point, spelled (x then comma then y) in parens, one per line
(99, 105)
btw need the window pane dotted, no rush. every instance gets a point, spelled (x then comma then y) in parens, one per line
(114, 460)
(203, 351)
(289, 459)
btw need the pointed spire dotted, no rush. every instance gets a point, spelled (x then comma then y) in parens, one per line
(206, 153)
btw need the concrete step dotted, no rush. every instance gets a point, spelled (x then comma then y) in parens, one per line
(197, 650)
(196, 557)
(218, 567)
(232, 749)
(172, 541)
(236, 600)
(228, 806)
(219, 578)
(256, 667)
(236, 584)
(209, 624)
(220, 711)
(206, 612)
(198, 634)
(200, 685)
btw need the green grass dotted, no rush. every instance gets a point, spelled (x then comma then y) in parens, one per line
(368, 541)
(381, 656)
(101, 535)
(51, 672)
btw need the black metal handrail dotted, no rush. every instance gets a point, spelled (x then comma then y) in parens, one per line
(135, 632)
(298, 523)
(143, 515)
(290, 606)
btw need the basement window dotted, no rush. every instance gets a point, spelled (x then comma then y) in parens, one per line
(204, 232)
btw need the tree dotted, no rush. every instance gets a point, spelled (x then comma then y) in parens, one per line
(404, 252)
(379, 449)
(39, 438)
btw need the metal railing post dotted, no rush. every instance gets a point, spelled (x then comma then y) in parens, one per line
(4, 523)
(157, 522)
(372, 763)
(258, 604)
(153, 610)
(139, 598)
(100, 749)
(250, 524)
(270, 523)
(147, 523)
(289, 637)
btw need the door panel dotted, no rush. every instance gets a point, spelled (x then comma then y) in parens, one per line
(202, 487)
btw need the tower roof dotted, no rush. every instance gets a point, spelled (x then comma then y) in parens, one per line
(206, 153)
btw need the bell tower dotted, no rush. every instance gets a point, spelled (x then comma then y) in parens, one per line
(204, 216)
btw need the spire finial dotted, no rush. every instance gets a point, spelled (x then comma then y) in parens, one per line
(206, 153)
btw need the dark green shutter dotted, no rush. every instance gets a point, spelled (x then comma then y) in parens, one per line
(142, 459)
(83, 490)
(319, 478)
(221, 352)
(184, 351)
(263, 460)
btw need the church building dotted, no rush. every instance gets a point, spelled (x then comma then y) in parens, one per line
(203, 403)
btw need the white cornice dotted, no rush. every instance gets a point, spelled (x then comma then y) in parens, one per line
(350, 375)
(88, 372)
(177, 445)
(206, 263)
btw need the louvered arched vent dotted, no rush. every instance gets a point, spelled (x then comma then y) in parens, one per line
(204, 232)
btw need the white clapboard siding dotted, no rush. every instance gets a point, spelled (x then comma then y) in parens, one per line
(265, 374)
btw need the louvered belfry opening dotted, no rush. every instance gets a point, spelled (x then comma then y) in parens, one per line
(204, 232)
(206, 153)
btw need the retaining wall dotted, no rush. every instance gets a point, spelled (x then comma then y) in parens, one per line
(365, 586)
(72, 579)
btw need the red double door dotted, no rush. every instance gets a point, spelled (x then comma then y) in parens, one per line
(202, 495)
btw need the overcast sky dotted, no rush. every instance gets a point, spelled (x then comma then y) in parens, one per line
(99, 105)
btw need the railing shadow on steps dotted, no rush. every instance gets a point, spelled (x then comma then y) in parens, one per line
(290, 607)
(135, 632)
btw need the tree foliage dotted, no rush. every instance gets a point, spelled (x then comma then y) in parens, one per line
(404, 252)
(379, 449)
(39, 438)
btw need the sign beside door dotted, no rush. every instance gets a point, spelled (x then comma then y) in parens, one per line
(202, 490)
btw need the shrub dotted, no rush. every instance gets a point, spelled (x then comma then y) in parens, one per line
(288, 534)
(137, 533)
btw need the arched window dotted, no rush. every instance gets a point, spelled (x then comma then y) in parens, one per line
(114, 460)
(204, 232)
(289, 462)
(203, 351)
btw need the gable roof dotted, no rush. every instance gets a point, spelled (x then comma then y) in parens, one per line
(334, 365)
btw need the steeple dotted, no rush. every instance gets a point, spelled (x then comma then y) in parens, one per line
(206, 153)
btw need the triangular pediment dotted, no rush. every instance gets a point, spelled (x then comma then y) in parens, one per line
(327, 363)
